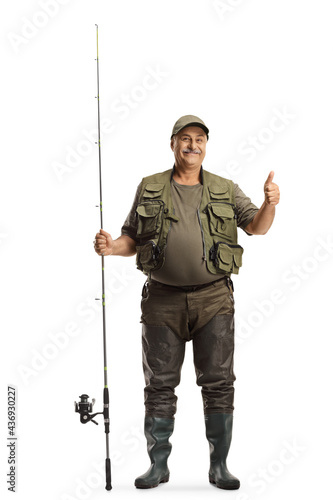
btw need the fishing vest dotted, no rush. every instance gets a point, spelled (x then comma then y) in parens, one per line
(216, 215)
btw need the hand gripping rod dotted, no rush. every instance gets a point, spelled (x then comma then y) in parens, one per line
(84, 407)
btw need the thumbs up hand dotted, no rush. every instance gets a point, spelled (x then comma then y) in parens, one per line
(271, 190)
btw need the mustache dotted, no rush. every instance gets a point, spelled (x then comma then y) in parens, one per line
(195, 151)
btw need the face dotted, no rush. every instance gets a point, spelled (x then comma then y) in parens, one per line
(189, 146)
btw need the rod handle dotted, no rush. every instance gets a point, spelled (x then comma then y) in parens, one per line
(106, 410)
(106, 395)
(108, 474)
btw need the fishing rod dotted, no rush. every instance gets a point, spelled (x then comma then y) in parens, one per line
(84, 407)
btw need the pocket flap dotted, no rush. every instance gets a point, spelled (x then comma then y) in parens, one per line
(225, 254)
(222, 211)
(153, 190)
(238, 252)
(149, 210)
(218, 192)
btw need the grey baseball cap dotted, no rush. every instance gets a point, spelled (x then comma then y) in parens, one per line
(187, 121)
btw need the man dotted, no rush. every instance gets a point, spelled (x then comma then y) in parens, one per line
(183, 229)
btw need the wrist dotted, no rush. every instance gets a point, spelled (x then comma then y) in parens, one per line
(267, 204)
(113, 248)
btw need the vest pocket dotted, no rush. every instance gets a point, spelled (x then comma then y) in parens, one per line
(218, 192)
(149, 219)
(153, 190)
(146, 256)
(222, 220)
(226, 257)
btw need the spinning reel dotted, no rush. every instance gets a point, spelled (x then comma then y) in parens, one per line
(85, 408)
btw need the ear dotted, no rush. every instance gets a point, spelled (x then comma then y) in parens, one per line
(172, 142)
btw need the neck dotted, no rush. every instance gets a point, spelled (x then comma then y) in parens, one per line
(187, 175)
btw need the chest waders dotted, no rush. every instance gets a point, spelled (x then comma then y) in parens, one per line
(84, 407)
(217, 217)
(213, 342)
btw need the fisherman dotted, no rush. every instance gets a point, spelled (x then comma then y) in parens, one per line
(183, 229)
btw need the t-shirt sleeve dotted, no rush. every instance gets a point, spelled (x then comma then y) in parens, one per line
(129, 227)
(246, 210)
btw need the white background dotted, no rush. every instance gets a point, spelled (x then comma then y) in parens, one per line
(235, 64)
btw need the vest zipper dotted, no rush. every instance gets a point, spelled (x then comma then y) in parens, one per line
(203, 238)
(166, 238)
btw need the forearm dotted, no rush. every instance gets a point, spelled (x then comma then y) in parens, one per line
(124, 246)
(263, 220)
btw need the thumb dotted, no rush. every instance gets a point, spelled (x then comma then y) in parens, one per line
(104, 233)
(269, 178)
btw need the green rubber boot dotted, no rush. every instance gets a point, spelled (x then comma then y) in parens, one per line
(219, 433)
(157, 432)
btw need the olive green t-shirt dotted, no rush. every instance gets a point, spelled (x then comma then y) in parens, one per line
(184, 264)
